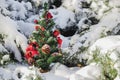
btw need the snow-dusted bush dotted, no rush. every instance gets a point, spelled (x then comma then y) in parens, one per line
(13, 39)
(106, 63)
(105, 52)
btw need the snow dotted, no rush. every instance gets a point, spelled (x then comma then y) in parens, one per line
(12, 71)
(108, 44)
(2, 48)
(6, 58)
(72, 5)
(49, 76)
(62, 16)
(16, 23)
(58, 72)
(91, 72)
(26, 27)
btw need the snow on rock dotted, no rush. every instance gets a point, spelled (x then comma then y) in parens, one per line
(59, 68)
(49, 76)
(3, 7)
(24, 73)
(72, 5)
(115, 3)
(90, 72)
(107, 23)
(9, 28)
(107, 43)
(18, 72)
(15, 9)
(60, 72)
(26, 28)
(19, 10)
(62, 16)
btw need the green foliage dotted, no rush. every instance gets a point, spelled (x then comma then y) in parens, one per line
(38, 78)
(74, 60)
(70, 61)
(2, 38)
(5, 58)
(108, 70)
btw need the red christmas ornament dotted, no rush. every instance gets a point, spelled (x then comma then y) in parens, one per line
(30, 48)
(31, 54)
(36, 21)
(55, 54)
(46, 49)
(28, 55)
(48, 15)
(56, 33)
(34, 44)
(42, 28)
(37, 28)
(59, 40)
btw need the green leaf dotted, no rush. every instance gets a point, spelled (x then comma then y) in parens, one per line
(50, 39)
(48, 34)
(45, 6)
(51, 59)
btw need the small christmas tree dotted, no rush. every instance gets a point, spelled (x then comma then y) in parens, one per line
(44, 44)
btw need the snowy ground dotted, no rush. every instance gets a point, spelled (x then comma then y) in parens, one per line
(102, 37)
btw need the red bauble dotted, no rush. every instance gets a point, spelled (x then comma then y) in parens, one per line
(46, 49)
(42, 28)
(48, 15)
(37, 28)
(30, 48)
(36, 21)
(28, 55)
(31, 54)
(59, 40)
(34, 44)
(55, 54)
(56, 33)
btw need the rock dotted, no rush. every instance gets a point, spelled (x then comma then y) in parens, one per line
(68, 31)
(93, 20)
(116, 30)
(55, 3)
(85, 4)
